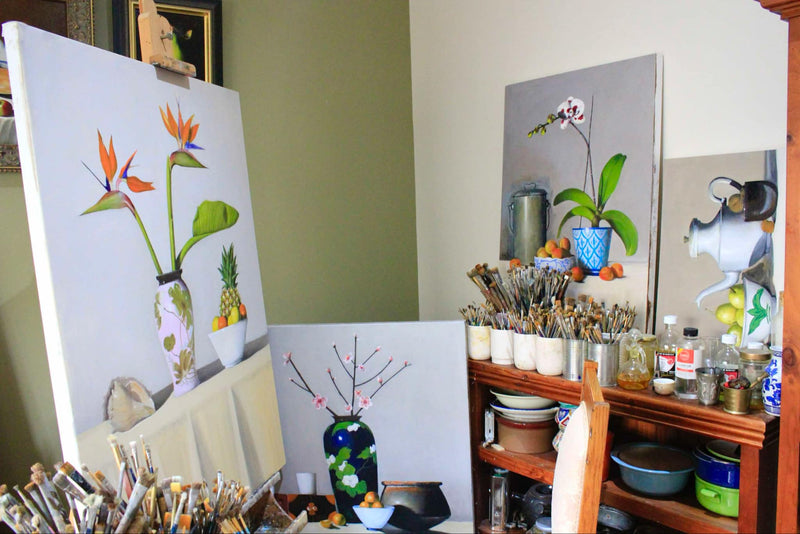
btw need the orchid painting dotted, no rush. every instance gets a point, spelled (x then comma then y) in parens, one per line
(591, 205)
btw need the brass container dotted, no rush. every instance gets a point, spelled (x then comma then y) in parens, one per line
(736, 401)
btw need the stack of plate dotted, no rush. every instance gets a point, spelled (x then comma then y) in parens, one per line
(523, 408)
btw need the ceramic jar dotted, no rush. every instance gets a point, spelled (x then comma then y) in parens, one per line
(478, 342)
(550, 355)
(771, 389)
(502, 346)
(175, 326)
(525, 351)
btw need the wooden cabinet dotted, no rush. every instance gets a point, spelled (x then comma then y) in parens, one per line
(650, 416)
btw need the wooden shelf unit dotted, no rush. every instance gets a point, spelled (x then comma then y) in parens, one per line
(757, 434)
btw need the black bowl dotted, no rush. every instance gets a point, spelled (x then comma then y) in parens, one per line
(417, 505)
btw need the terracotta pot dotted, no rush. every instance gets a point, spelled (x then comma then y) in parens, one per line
(417, 505)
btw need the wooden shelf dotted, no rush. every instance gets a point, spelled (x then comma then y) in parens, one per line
(681, 511)
(645, 405)
(537, 466)
(757, 434)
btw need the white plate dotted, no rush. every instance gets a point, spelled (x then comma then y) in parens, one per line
(525, 416)
(522, 401)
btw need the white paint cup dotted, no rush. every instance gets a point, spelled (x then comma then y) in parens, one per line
(501, 346)
(478, 343)
(525, 351)
(307, 483)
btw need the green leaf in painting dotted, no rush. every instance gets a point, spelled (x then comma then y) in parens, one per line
(169, 342)
(575, 195)
(609, 179)
(624, 228)
(577, 211)
(211, 216)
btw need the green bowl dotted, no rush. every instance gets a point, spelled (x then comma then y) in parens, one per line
(723, 501)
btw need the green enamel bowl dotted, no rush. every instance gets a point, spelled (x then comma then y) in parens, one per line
(722, 501)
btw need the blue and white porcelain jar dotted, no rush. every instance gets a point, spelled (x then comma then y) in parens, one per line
(771, 388)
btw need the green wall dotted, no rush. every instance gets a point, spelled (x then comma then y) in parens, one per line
(325, 90)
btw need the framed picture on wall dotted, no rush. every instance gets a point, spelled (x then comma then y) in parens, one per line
(196, 32)
(71, 19)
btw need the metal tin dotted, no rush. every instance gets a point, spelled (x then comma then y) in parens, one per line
(527, 221)
(607, 357)
(574, 355)
(736, 401)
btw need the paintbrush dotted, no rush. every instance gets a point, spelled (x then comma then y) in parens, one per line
(143, 483)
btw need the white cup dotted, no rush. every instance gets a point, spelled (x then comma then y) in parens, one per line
(307, 483)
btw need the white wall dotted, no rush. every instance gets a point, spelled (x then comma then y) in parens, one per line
(724, 92)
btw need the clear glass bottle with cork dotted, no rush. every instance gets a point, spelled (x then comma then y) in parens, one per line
(688, 354)
(667, 342)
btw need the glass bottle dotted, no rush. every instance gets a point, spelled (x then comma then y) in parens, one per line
(688, 354)
(499, 508)
(667, 342)
(648, 343)
(776, 328)
(727, 358)
(634, 373)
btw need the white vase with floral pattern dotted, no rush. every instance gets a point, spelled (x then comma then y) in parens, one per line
(175, 325)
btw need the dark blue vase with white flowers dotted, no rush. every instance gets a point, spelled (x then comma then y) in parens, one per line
(352, 462)
(349, 444)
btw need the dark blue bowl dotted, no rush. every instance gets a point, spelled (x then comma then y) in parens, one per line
(715, 470)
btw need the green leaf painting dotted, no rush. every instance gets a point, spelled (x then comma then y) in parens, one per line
(758, 312)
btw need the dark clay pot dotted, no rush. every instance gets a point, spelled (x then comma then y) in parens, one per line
(417, 505)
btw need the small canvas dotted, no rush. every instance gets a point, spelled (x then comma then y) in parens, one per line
(110, 148)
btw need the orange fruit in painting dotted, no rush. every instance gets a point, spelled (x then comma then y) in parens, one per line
(242, 311)
(577, 274)
(550, 246)
(338, 519)
(606, 274)
(515, 262)
(371, 497)
(377, 504)
(223, 321)
(564, 243)
(364, 504)
(326, 523)
(617, 268)
(542, 253)
(559, 253)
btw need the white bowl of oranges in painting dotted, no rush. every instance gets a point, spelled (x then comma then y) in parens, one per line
(230, 326)
(372, 513)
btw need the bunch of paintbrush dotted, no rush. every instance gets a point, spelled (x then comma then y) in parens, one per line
(491, 286)
(475, 315)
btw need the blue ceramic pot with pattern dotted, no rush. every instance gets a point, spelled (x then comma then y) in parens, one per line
(352, 462)
(591, 248)
(771, 388)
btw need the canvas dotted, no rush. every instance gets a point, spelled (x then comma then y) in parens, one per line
(420, 419)
(96, 133)
(686, 196)
(621, 114)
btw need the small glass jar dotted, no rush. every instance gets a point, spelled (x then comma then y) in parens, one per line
(753, 362)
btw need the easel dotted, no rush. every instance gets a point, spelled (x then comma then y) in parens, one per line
(155, 33)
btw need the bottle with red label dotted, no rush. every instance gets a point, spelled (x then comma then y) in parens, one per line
(727, 358)
(666, 346)
(688, 357)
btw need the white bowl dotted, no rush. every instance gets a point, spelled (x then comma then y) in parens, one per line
(373, 518)
(525, 415)
(522, 401)
(228, 342)
(663, 386)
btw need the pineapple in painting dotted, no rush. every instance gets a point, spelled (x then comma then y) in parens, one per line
(231, 309)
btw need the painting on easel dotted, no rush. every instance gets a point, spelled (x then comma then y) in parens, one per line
(141, 224)
(196, 35)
